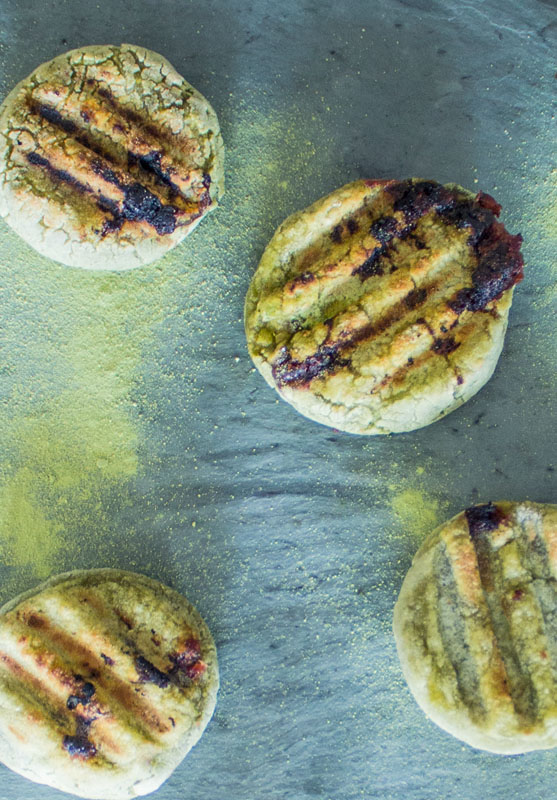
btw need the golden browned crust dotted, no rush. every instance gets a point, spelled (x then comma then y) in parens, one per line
(109, 157)
(383, 306)
(476, 626)
(107, 679)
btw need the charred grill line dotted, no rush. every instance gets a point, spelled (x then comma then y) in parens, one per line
(139, 203)
(148, 673)
(328, 357)
(149, 162)
(499, 267)
(482, 520)
(129, 114)
(57, 175)
(123, 702)
(186, 664)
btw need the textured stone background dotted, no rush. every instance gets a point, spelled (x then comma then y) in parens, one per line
(135, 432)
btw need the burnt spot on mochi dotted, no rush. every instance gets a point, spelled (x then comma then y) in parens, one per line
(483, 519)
(467, 213)
(416, 198)
(415, 298)
(352, 225)
(301, 280)
(139, 204)
(34, 621)
(444, 346)
(336, 234)
(371, 266)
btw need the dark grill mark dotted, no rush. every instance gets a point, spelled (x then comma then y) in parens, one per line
(57, 175)
(188, 661)
(107, 660)
(370, 266)
(352, 225)
(384, 229)
(151, 162)
(328, 357)
(304, 278)
(416, 199)
(444, 346)
(187, 667)
(499, 266)
(55, 118)
(139, 204)
(190, 653)
(129, 114)
(415, 298)
(148, 673)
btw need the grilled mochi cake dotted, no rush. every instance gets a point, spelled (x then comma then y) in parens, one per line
(475, 626)
(384, 305)
(108, 157)
(107, 679)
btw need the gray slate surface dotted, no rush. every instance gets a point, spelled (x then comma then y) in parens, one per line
(165, 452)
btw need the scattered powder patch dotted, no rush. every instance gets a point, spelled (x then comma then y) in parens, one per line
(72, 350)
(417, 512)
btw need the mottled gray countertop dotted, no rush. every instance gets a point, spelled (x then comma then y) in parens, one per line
(135, 432)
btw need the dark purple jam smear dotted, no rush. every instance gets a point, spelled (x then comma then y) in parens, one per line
(140, 204)
(288, 371)
(82, 697)
(80, 745)
(483, 519)
(500, 267)
(148, 673)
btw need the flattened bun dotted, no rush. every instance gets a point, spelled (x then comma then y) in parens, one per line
(476, 626)
(107, 679)
(108, 157)
(383, 306)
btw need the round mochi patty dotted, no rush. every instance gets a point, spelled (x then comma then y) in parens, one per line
(108, 157)
(384, 305)
(107, 679)
(476, 626)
